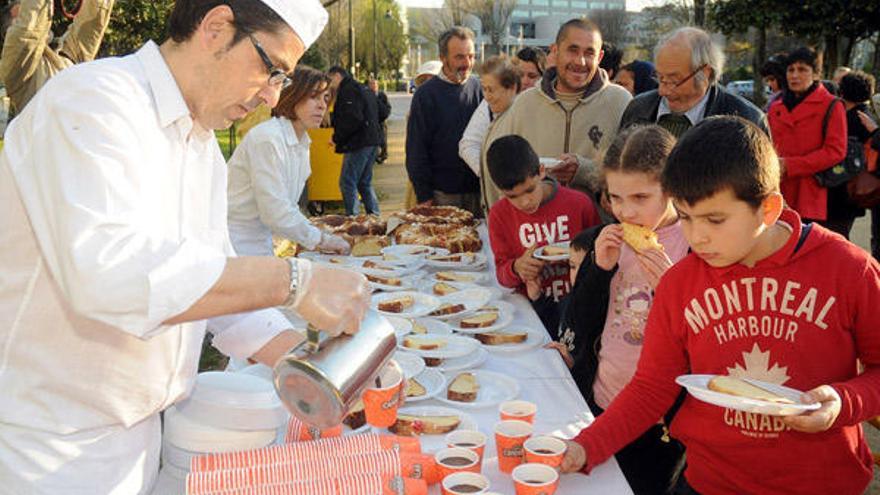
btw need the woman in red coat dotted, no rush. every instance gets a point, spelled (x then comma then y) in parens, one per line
(796, 126)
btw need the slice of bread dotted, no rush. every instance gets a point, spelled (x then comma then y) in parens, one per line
(479, 320)
(640, 238)
(442, 289)
(411, 425)
(448, 258)
(464, 388)
(423, 344)
(357, 416)
(414, 388)
(454, 277)
(393, 281)
(447, 309)
(397, 304)
(499, 338)
(418, 328)
(555, 251)
(337, 261)
(433, 362)
(370, 245)
(741, 388)
(377, 266)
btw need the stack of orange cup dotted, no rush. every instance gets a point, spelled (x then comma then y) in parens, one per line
(297, 431)
(521, 410)
(382, 402)
(510, 436)
(545, 450)
(362, 484)
(535, 479)
(300, 451)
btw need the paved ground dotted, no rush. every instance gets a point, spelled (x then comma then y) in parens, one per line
(389, 180)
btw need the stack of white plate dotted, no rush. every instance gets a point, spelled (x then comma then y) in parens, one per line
(226, 412)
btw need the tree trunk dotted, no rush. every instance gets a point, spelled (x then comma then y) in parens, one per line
(848, 45)
(830, 57)
(875, 65)
(758, 58)
(700, 12)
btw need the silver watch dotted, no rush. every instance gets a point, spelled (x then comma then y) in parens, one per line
(294, 280)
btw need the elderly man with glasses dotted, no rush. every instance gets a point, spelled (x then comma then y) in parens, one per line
(689, 65)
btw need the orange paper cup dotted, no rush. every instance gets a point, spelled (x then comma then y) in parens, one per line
(522, 410)
(468, 439)
(535, 479)
(464, 483)
(545, 450)
(381, 403)
(297, 431)
(455, 460)
(509, 439)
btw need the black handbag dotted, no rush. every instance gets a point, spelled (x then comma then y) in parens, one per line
(851, 166)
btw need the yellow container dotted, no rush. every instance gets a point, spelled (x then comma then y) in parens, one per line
(326, 167)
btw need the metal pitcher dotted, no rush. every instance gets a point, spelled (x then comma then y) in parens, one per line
(319, 380)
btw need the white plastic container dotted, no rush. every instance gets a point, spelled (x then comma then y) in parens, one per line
(234, 401)
(193, 436)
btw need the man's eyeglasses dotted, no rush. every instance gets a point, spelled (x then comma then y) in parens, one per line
(277, 77)
(662, 81)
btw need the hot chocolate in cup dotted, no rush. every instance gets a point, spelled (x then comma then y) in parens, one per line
(545, 450)
(521, 410)
(535, 479)
(468, 439)
(464, 483)
(456, 460)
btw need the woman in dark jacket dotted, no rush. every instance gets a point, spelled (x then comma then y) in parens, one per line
(855, 90)
(803, 146)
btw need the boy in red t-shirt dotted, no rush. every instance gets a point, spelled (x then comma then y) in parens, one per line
(760, 296)
(535, 211)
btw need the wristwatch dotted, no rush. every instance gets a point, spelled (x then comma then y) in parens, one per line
(294, 281)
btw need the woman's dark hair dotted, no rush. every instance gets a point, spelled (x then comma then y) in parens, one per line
(856, 87)
(612, 58)
(507, 73)
(250, 16)
(307, 83)
(643, 76)
(535, 56)
(806, 56)
(775, 67)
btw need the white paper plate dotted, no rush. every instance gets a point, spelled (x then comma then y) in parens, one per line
(505, 317)
(408, 283)
(473, 360)
(424, 303)
(398, 269)
(330, 259)
(467, 277)
(469, 261)
(402, 326)
(455, 346)
(495, 388)
(434, 443)
(569, 484)
(410, 251)
(472, 299)
(536, 338)
(427, 286)
(432, 326)
(411, 364)
(698, 386)
(433, 381)
(539, 253)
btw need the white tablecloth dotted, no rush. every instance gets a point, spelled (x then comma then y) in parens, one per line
(545, 380)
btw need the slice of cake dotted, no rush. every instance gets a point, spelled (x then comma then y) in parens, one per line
(397, 304)
(479, 320)
(414, 388)
(454, 277)
(448, 309)
(418, 328)
(463, 388)
(555, 251)
(392, 281)
(370, 245)
(499, 338)
(412, 425)
(741, 388)
(443, 289)
(424, 344)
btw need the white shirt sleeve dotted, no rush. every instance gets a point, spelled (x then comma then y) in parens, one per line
(470, 146)
(95, 206)
(273, 195)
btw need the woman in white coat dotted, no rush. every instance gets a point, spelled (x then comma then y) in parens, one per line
(269, 169)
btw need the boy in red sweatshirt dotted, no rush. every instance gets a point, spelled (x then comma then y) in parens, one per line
(760, 296)
(535, 211)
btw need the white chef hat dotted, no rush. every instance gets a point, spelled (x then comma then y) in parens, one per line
(307, 18)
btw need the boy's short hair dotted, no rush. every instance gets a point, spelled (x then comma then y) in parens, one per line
(511, 161)
(583, 241)
(718, 153)
(856, 86)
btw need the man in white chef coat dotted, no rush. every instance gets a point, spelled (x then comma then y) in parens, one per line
(116, 255)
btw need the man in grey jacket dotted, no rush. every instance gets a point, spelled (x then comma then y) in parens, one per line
(689, 65)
